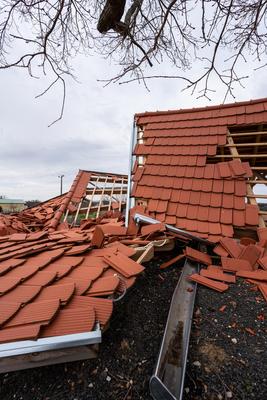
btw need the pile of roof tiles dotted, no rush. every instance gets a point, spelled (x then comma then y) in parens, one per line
(10, 224)
(39, 217)
(179, 177)
(48, 215)
(246, 259)
(63, 282)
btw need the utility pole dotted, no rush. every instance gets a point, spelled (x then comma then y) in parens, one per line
(61, 183)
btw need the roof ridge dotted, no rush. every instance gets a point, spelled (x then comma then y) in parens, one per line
(204, 108)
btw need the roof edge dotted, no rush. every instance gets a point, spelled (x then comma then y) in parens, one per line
(197, 109)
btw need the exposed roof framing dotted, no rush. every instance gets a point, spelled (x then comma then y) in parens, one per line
(103, 192)
(201, 169)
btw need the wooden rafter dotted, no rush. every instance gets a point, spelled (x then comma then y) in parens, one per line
(250, 194)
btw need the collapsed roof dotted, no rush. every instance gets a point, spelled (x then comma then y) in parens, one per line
(196, 168)
(91, 194)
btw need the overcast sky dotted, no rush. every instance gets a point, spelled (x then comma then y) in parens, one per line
(95, 131)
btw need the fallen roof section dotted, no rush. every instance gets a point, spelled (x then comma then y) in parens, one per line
(57, 286)
(91, 194)
(196, 168)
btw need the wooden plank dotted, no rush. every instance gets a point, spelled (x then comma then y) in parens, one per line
(240, 155)
(34, 360)
(257, 196)
(91, 200)
(246, 144)
(108, 191)
(101, 199)
(259, 181)
(111, 195)
(259, 168)
(250, 192)
(247, 133)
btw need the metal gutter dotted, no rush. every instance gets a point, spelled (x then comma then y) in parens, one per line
(167, 382)
(148, 220)
(131, 158)
(50, 343)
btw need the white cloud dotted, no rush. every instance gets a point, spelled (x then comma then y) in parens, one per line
(95, 131)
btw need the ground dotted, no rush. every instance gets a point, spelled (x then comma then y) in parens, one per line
(225, 360)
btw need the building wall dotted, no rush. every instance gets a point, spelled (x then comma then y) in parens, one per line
(8, 208)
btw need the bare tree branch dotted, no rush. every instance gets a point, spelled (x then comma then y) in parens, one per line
(43, 36)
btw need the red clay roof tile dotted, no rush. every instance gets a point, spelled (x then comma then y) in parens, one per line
(7, 284)
(36, 312)
(123, 265)
(251, 253)
(78, 249)
(235, 264)
(70, 321)
(238, 218)
(81, 285)
(216, 200)
(148, 229)
(24, 332)
(7, 265)
(41, 278)
(231, 247)
(227, 230)
(103, 307)
(91, 273)
(215, 229)
(220, 251)
(203, 213)
(224, 170)
(103, 286)
(218, 286)
(214, 214)
(21, 294)
(217, 275)
(237, 168)
(55, 292)
(196, 255)
(7, 311)
(258, 275)
(251, 214)
(183, 144)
